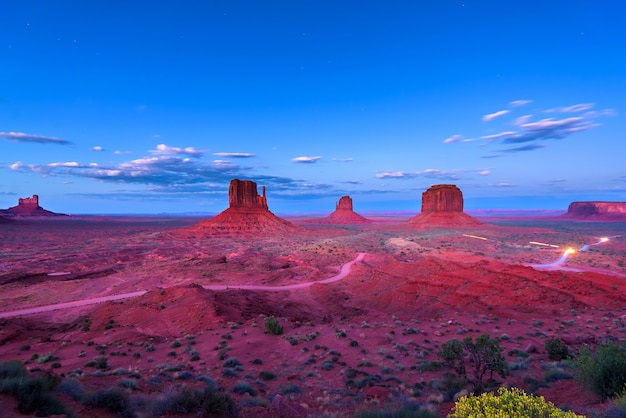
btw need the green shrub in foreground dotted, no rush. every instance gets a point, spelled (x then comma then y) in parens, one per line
(604, 371)
(514, 403)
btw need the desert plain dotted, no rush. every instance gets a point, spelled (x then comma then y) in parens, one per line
(369, 340)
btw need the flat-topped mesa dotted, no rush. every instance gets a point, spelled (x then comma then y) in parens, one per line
(243, 194)
(247, 215)
(597, 210)
(344, 214)
(28, 206)
(442, 206)
(442, 198)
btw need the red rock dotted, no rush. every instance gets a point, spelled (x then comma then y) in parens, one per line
(442, 206)
(596, 211)
(344, 213)
(28, 206)
(248, 214)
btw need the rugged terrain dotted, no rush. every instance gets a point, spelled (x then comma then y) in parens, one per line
(369, 340)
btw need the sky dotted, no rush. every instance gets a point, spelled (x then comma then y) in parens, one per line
(154, 106)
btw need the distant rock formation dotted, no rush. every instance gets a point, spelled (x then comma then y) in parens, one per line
(442, 206)
(28, 207)
(596, 211)
(344, 214)
(247, 214)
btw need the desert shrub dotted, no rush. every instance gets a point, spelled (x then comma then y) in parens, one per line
(25, 347)
(45, 358)
(12, 368)
(514, 403)
(265, 375)
(291, 388)
(483, 358)
(243, 387)
(72, 388)
(34, 395)
(231, 362)
(617, 409)
(604, 371)
(556, 349)
(272, 326)
(113, 400)
(175, 344)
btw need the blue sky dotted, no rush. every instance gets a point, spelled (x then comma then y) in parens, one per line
(150, 107)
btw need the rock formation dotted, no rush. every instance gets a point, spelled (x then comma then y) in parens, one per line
(247, 214)
(442, 206)
(344, 214)
(27, 207)
(596, 211)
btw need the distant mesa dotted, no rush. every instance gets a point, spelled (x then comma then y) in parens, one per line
(442, 206)
(248, 214)
(596, 211)
(28, 207)
(344, 214)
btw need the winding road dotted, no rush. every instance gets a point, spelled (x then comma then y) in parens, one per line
(343, 272)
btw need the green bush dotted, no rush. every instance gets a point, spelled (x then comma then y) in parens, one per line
(617, 409)
(556, 349)
(115, 401)
(482, 358)
(604, 371)
(243, 387)
(273, 326)
(514, 403)
(33, 394)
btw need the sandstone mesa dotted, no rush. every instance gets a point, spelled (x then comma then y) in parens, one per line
(442, 206)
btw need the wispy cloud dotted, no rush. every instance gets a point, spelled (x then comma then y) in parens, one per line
(16, 166)
(527, 130)
(39, 139)
(121, 152)
(456, 138)
(233, 154)
(97, 148)
(163, 149)
(517, 103)
(502, 184)
(492, 116)
(576, 108)
(305, 159)
(353, 182)
(343, 160)
(431, 173)
(529, 147)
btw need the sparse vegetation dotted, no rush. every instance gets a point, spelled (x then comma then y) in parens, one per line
(483, 358)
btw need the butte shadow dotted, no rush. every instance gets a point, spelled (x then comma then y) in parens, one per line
(442, 207)
(247, 215)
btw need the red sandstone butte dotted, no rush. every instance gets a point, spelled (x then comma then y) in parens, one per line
(596, 211)
(442, 206)
(344, 214)
(27, 206)
(247, 214)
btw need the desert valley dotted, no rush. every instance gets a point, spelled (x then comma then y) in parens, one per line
(202, 303)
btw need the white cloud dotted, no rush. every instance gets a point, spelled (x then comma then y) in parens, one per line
(121, 152)
(66, 164)
(343, 160)
(492, 116)
(516, 103)
(484, 172)
(502, 184)
(498, 136)
(163, 149)
(581, 107)
(457, 138)
(16, 166)
(233, 154)
(97, 148)
(522, 120)
(305, 159)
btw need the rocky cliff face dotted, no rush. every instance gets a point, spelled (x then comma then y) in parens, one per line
(344, 213)
(442, 198)
(243, 194)
(248, 214)
(442, 206)
(597, 210)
